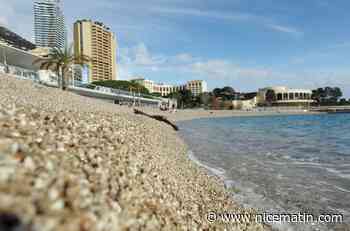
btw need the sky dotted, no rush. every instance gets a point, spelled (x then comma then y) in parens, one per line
(246, 44)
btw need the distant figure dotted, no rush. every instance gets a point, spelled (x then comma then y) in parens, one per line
(7, 69)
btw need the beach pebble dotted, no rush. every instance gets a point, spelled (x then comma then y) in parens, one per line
(29, 163)
(57, 205)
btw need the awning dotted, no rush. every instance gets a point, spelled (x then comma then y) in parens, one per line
(18, 58)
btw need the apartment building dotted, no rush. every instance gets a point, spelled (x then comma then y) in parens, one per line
(96, 41)
(49, 25)
(195, 86)
(148, 84)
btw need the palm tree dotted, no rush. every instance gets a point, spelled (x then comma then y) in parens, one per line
(60, 60)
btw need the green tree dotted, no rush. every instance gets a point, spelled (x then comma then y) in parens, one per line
(343, 101)
(156, 94)
(123, 85)
(205, 98)
(318, 94)
(60, 61)
(217, 92)
(173, 95)
(337, 93)
(327, 95)
(270, 96)
(226, 93)
(186, 97)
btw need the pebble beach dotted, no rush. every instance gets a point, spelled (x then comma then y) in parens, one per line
(68, 162)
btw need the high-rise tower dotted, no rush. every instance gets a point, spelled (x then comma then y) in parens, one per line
(96, 41)
(49, 25)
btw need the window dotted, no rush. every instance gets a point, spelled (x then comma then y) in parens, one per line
(279, 96)
(291, 96)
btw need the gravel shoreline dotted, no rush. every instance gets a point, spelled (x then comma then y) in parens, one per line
(191, 114)
(73, 163)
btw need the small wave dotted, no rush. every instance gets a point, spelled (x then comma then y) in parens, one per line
(216, 171)
(245, 194)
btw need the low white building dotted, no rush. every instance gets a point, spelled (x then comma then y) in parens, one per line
(195, 86)
(149, 84)
(284, 96)
(247, 104)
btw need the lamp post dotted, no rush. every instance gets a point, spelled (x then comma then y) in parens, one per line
(5, 60)
(139, 98)
(133, 94)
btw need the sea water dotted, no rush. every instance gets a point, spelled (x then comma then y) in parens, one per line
(279, 164)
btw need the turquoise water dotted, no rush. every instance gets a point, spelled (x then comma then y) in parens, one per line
(278, 163)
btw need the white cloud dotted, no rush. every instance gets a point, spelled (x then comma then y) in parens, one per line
(184, 57)
(285, 29)
(6, 12)
(16, 15)
(214, 68)
(137, 57)
(144, 58)
(232, 16)
(222, 69)
(3, 21)
(140, 58)
(203, 13)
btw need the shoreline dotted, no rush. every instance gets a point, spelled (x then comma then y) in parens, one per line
(232, 169)
(192, 114)
(74, 163)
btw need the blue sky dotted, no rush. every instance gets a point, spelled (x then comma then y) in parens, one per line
(245, 44)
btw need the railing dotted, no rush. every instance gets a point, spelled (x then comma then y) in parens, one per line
(77, 83)
(282, 108)
(18, 72)
(21, 73)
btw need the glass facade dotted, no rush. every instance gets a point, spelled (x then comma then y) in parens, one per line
(19, 72)
(49, 24)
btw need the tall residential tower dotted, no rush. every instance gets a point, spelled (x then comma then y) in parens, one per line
(96, 41)
(49, 25)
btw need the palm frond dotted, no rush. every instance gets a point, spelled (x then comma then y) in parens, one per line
(50, 65)
(80, 59)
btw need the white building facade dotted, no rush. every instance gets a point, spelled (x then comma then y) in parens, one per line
(49, 24)
(195, 86)
(286, 96)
